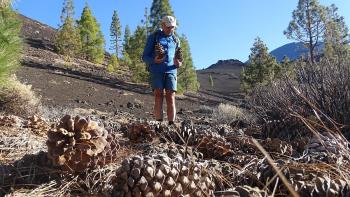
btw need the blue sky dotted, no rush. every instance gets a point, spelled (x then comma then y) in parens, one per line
(216, 29)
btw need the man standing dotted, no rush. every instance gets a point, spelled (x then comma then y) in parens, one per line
(159, 55)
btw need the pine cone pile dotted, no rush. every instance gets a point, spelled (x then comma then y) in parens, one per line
(244, 144)
(159, 50)
(327, 147)
(318, 180)
(161, 176)
(37, 125)
(320, 186)
(242, 159)
(278, 146)
(244, 190)
(140, 132)
(212, 145)
(182, 135)
(78, 144)
(10, 121)
(287, 130)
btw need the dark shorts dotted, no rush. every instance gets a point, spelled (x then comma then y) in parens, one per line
(166, 81)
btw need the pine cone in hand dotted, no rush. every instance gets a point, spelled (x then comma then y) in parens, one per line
(178, 54)
(159, 50)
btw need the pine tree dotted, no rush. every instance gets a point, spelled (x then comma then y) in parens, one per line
(115, 31)
(137, 43)
(10, 42)
(261, 67)
(68, 39)
(337, 33)
(211, 81)
(187, 76)
(125, 56)
(159, 9)
(67, 10)
(307, 25)
(146, 22)
(91, 37)
(113, 64)
(5, 3)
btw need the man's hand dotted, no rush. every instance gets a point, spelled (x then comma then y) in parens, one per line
(158, 59)
(177, 63)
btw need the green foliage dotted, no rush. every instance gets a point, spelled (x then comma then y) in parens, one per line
(115, 33)
(113, 64)
(146, 22)
(134, 52)
(68, 41)
(159, 9)
(211, 81)
(261, 69)
(91, 37)
(307, 25)
(10, 42)
(125, 56)
(336, 35)
(140, 75)
(187, 76)
(5, 3)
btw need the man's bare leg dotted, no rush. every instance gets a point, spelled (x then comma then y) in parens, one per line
(158, 104)
(170, 101)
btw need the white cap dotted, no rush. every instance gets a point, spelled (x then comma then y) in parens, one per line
(169, 21)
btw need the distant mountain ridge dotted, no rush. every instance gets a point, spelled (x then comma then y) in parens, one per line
(293, 51)
(226, 64)
(225, 75)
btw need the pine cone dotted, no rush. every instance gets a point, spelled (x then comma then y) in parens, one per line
(178, 54)
(172, 150)
(140, 132)
(161, 176)
(37, 125)
(159, 50)
(78, 144)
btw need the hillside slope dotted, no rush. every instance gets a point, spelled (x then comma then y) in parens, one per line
(86, 85)
(226, 78)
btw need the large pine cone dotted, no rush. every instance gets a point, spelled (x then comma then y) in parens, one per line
(318, 180)
(327, 147)
(172, 150)
(178, 54)
(277, 146)
(182, 135)
(212, 145)
(162, 176)
(159, 50)
(78, 144)
(140, 132)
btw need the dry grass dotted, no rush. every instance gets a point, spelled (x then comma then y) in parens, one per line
(17, 98)
(226, 113)
(326, 84)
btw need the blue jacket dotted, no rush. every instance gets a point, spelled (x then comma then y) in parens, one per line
(169, 45)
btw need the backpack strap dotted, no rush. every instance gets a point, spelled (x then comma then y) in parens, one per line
(176, 40)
